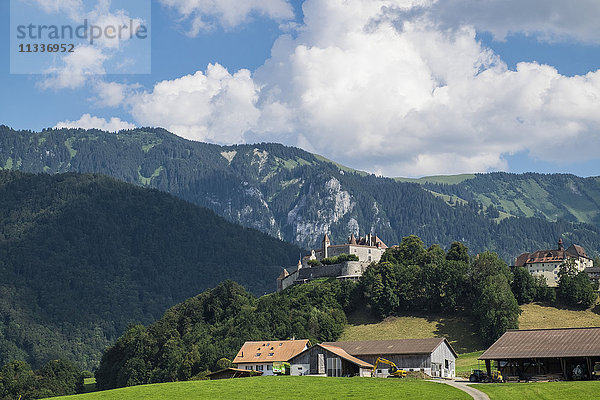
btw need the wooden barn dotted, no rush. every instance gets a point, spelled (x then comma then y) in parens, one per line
(562, 353)
(434, 356)
(327, 360)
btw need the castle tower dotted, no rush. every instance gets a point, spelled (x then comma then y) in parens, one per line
(352, 239)
(326, 244)
(561, 247)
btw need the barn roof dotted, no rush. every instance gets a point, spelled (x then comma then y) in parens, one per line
(397, 346)
(270, 351)
(545, 343)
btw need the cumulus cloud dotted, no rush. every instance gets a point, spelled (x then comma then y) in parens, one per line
(74, 70)
(89, 122)
(113, 94)
(206, 14)
(77, 67)
(382, 86)
(549, 20)
(213, 106)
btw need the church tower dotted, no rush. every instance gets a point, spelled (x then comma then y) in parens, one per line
(326, 244)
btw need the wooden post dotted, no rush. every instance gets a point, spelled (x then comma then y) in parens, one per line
(589, 365)
(563, 366)
(488, 367)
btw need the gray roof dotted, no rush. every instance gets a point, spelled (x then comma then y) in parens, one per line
(545, 343)
(397, 346)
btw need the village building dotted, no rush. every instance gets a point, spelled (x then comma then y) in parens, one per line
(434, 357)
(547, 263)
(545, 354)
(367, 250)
(260, 356)
(328, 360)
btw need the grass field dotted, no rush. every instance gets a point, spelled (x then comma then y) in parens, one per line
(542, 391)
(467, 362)
(536, 316)
(459, 330)
(289, 387)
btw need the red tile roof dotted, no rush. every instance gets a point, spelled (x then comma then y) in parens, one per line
(270, 351)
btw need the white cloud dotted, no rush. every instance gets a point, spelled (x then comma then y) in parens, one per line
(216, 106)
(382, 90)
(206, 14)
(74, 70)
(550, 20)
(85, 62)
(89, 122)
(113, 94)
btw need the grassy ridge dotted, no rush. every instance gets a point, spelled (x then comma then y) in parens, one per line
(542, 391)
(289, 387)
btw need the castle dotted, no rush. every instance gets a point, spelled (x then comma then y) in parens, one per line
(367, 250)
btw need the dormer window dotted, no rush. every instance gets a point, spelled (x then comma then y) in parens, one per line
(258, 354)
(271, 354)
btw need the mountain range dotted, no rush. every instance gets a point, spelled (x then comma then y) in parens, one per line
(82, 256)
(297, 196)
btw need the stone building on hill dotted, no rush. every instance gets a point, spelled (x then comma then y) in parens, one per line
(547, 263)
(367, 250)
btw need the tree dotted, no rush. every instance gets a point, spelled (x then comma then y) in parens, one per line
(224, 363)
(411, 250)
(523, 286)
(458, 252)
(485, 265)
(597, 261)
(496, 308)
(61, 378)
(574, 287)
(17, 380)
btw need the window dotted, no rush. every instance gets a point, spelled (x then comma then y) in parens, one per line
(268, 367)
(447, 364)
(281, 344)
(258, 354)
(259, 367)
(271, 354)
(299, 368)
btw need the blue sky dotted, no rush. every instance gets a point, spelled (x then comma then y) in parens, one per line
(394, 87)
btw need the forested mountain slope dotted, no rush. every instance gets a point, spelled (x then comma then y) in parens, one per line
(82, 256)
(290, 193)
(548, 196)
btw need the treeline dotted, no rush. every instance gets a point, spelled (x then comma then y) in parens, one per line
(194, 335)
(57, 378)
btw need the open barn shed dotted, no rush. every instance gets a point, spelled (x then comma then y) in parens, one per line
(565, 353)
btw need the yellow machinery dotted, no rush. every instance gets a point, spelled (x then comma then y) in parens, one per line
(394, 371)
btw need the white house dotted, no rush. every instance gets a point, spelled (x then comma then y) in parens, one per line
(260, 356)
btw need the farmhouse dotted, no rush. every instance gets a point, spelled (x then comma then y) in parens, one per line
(327, 360)
(366, 250)
(434, 357)
(560, 352)
(547, 263)
(260, 356)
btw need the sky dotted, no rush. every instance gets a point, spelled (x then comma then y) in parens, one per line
(393, 87)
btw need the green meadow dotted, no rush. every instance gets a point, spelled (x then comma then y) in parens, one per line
(542, 391)
(289, 387)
